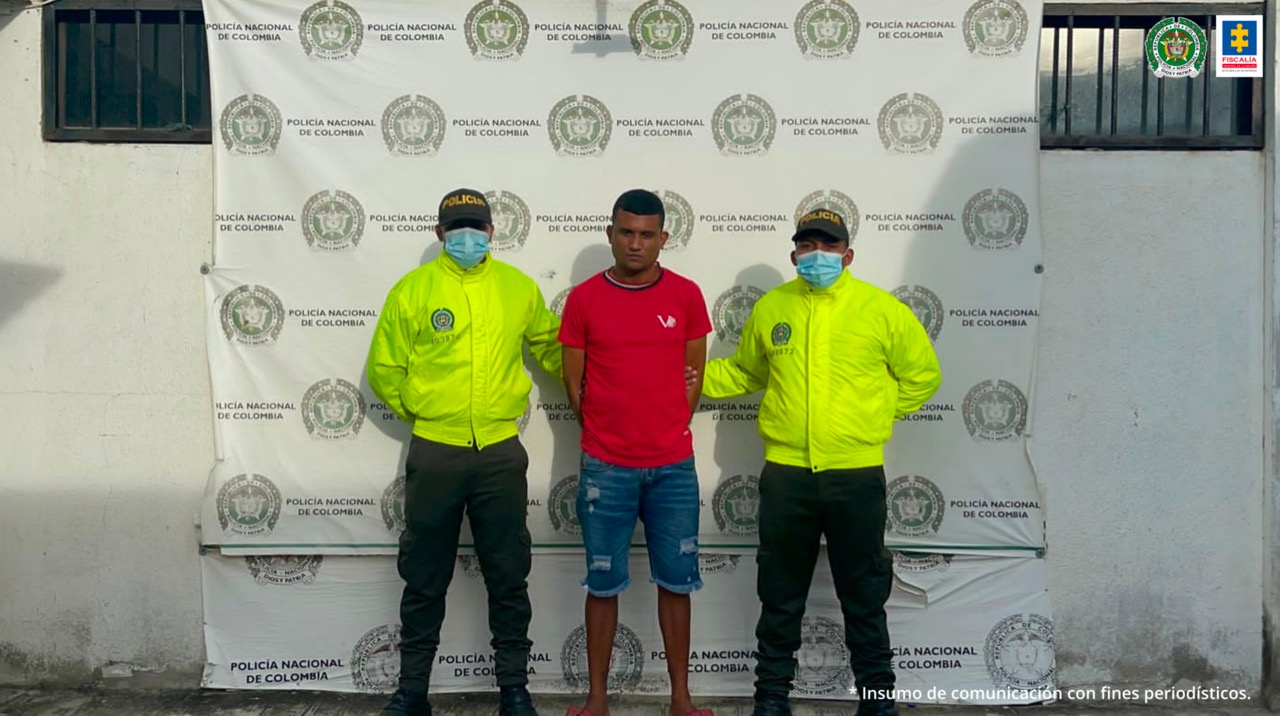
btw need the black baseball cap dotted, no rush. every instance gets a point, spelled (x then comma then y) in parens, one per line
(464, 205)
(822, 221)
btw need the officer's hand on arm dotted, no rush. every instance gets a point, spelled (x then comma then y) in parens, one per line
(746, 371)
(541, 335)
(912, 361)
(389, 351)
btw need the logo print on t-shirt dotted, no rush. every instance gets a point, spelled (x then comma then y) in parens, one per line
(667, 322)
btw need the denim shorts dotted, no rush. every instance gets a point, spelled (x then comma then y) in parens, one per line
(665, 499)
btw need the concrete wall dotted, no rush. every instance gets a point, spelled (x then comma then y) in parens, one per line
(1149, 405)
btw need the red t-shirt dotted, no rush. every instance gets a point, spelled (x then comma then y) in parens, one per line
(635, 407)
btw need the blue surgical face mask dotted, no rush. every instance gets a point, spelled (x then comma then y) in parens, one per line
(820, 268)
(467, 246)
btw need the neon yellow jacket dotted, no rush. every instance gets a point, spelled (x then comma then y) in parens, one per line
(447, 353)
(838, 366)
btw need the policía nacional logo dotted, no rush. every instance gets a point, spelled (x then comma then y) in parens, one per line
(661, 30)
(626, 667)
(557, 303)
(442, 320)
(995, 28)
(393, 506)
(925, 304)
(827, 29)
(995, 219)
(836, 201)
(679, 220)
(511, 220)
(731, 311)
(579, 126)
(375, 660)
(470, 564)
(497, 30)
(252, 316)
(1019, 652)
(333, 409)
(562, 506)
(413, 126)
(744, 125)
(736, 505)
(822, 661)
(915, 506)
(333, 221)
(1176, 47)
(250, 126)
(248, 505)
(910, 123)
(522, 422)
(284, 570)
(331, 30)
(781, 334)
(995, 410)
(718, 563)
(920, 562)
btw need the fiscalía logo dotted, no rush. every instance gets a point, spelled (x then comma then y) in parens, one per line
(331, 30)
(925, 304)
(1176, 47)
(333, 409)
(915, 506)
(497, 30)
(781, 333)
(375, 660)
(393, 506)
(822, 661)
(562, 505)
(717, 563)
(920, 561)
(252, 316)
(626, 665)
(579, 126)
(736, 505)
(511, 220)
(248, 505)
(827, 29)
(995, 410)
(333, 220)
(661, 30)
(679, 220)
(413, 126)
(470, 564)
(557, 303)
(910, 123)
(731, 311)
(836, 201)
(250, 126)
(995, 219)
(442, 320)
(1019, 652)
(995, 28)
(284, 570)
(744, 125)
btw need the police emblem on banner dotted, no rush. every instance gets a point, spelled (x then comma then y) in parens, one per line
(833, 200)
(822, 661)
(995, 219)
(1176, 47)
(1019, 652)
(331, 30)
(375, 660)
(920, 561)
(333, 409)
(915, 506)
(744, 125)
(562, 506)
(910, 123)
(250, 126)
(522, 422)
(661, 30)
(511, 220)
(333, 221)
(995, 28)
(717, 563)
(626, 667)
(731, 311)
(679, 220)
(470, 564)
(284, 570)
(413, 126)
(497, 30)
(248, 505)
(557, 303)
(995, 410)
(827, 29)
(579, 126)
(393, 506)
(252, 316)
(736, 505)
(925, 304)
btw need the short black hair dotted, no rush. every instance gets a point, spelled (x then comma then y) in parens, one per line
(640, 202)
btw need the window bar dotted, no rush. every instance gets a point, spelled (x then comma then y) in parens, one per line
(62, 72)
(93, 69)
(1097, 104)
(1146, 95)
(137, 63)
(1208, 80)
(1053, 87)
(182, 58)
(1160, 107)
(1071, 31)
(1115, 69)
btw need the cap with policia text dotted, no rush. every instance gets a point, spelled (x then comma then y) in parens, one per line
(464, 205)
(822, 221)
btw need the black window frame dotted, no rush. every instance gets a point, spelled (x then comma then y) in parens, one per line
(52, 65)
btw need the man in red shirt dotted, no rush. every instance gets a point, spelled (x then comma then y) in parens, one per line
(629, 333)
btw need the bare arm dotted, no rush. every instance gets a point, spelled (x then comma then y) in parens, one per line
(695, 358)
(574, 368)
